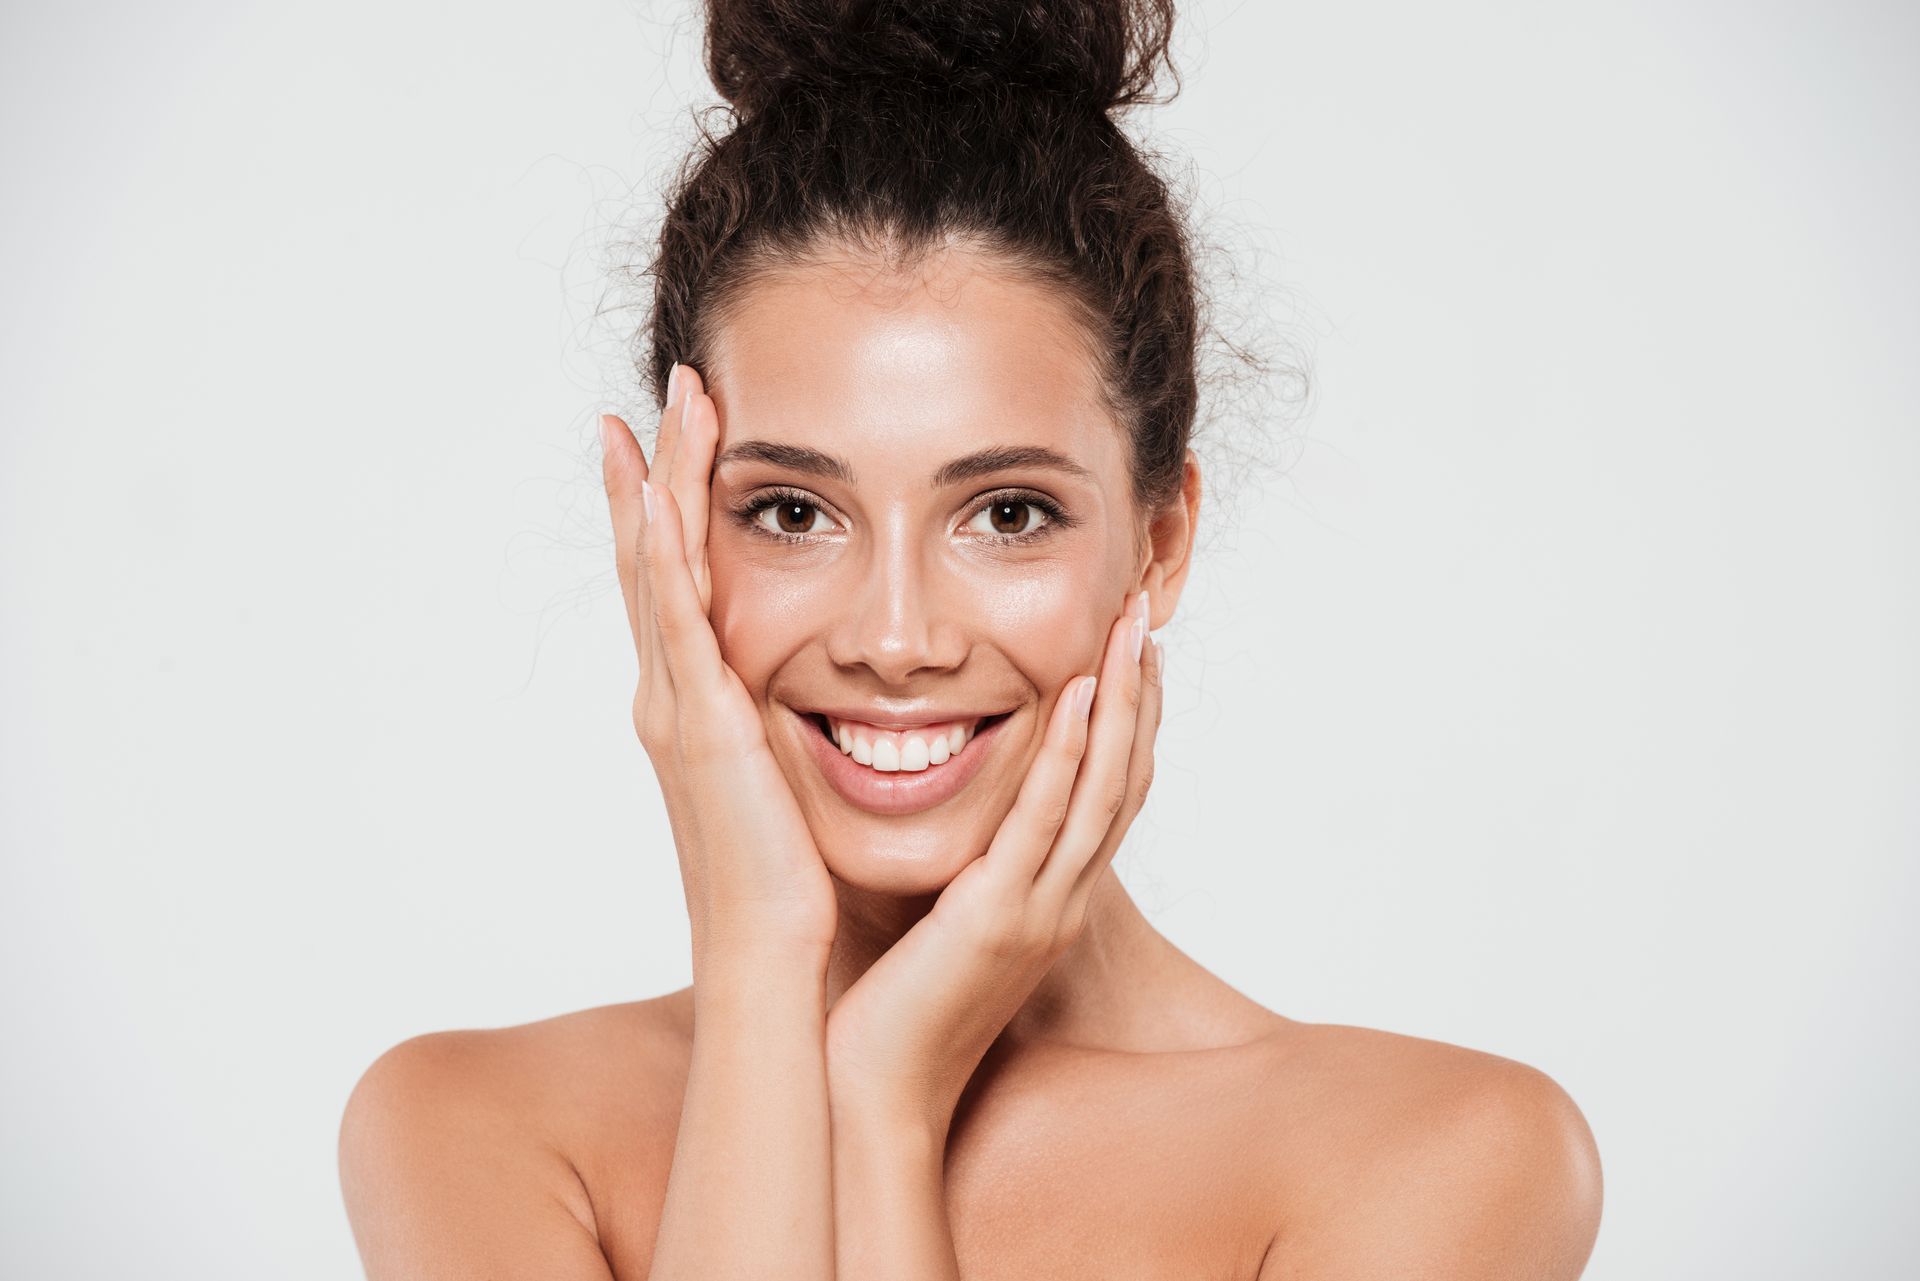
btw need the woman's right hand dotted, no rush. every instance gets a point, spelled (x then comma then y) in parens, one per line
(753, 877)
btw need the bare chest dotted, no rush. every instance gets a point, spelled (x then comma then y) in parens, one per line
(1121, 1186)
(1145, 1171)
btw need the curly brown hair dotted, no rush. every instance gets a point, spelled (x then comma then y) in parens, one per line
(902, 127)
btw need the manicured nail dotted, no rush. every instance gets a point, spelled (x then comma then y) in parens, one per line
(606, 434)
(1083, 698)
(673, 380)
(1159, 658)
(1139, 635)
(646, 501)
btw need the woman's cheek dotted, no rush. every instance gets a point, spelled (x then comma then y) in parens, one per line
(1042, 618)
(760, 616)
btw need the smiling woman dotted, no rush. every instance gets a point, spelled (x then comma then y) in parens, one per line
(924, 335)
(928, 521)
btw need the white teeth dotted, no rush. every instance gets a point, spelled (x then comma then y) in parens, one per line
(891, 752)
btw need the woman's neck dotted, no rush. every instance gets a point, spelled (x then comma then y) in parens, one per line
(1121, 986)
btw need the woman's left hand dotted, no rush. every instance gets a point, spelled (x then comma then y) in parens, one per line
(905, 1038)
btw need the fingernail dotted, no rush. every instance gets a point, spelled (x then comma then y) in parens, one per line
(1139, 635)
(1083, 699)
(606, 433)
(646, 501)
(673, 380)
(1159, 658)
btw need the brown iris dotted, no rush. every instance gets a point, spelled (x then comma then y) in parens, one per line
(795, 517)
(1008, 517)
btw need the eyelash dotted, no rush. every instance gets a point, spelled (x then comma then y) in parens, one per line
(748, 514)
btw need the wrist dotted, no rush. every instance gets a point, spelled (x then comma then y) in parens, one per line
(762, 918)
(737, 947)
(868, 1122)
(906, 1120)
(762, 976)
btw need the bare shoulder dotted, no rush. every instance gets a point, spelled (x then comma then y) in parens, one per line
(467, 1148)
(1399, 1156)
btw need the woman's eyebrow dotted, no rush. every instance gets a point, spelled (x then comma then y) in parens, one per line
(982, 462)
(1004, 458)
(800, 458)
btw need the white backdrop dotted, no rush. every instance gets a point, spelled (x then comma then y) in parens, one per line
(1552, 700)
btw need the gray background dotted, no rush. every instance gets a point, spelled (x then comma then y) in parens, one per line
(1554, 694)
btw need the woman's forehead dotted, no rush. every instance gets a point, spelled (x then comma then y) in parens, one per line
(950, 356)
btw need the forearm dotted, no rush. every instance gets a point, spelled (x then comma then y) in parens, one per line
(750, 1192)
(889, 1197)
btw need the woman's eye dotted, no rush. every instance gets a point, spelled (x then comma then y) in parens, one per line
(790, 516)
(1008, 518)
(1004, 519)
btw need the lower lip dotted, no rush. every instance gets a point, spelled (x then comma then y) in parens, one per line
(903, 791)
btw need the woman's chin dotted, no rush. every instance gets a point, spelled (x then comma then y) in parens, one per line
(898, 864)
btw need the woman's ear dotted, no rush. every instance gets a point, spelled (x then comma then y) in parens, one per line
(1170, 547)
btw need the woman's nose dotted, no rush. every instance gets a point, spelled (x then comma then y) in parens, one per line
(900, 618)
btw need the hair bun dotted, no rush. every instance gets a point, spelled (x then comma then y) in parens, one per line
(1103, 54)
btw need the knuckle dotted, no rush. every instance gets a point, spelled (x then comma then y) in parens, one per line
(1052, 812)
(649, 723)
(1114, 796)
(665, 617)
(1142, 785)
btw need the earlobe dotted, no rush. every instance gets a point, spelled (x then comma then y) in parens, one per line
(1170, 547)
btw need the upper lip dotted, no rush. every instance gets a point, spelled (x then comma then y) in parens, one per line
(897, 718)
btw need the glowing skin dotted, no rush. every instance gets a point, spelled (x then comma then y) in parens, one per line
(900, 592)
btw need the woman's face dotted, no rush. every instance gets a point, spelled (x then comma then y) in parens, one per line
(922, 519)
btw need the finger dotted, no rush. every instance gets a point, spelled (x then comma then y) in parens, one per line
(666, 441)
(692, 478)
(1139, 780)
(684, 634)
(1021, 844)
(1100, 790)
(623, 466)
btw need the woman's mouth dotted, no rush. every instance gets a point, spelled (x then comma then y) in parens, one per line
(907, 750)
(899, 769)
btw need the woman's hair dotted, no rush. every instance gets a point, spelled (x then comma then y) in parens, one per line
(901, 127)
